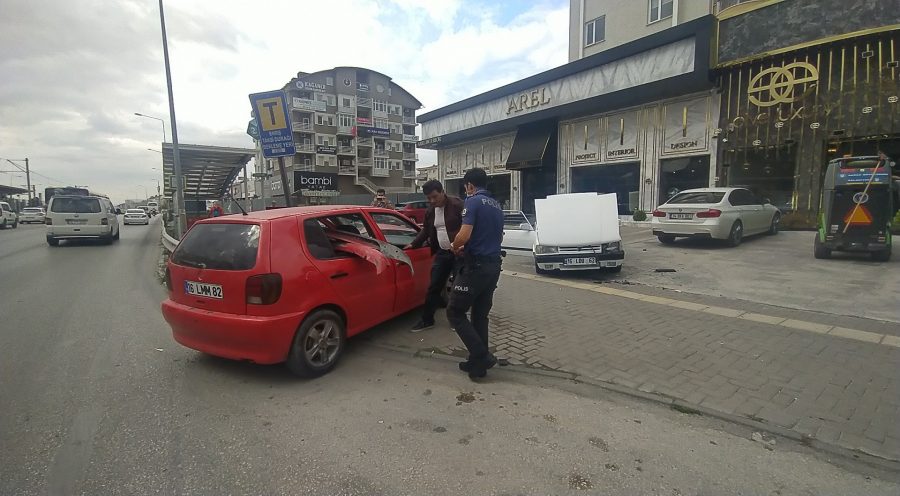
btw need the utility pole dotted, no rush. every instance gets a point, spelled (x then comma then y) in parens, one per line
(28, 179)
(179, 186)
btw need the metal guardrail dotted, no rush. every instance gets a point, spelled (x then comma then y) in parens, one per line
(169, 243)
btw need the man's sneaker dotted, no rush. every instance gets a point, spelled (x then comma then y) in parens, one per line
(421, 326)
(479, 370)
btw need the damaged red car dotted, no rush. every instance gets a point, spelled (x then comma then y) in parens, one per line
(291, 285)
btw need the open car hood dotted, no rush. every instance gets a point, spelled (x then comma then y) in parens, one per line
(371, 250)
(577, 219)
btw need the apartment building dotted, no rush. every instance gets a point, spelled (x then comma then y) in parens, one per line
(354, 130)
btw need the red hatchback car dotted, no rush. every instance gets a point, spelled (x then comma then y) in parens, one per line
(415, 210)
(277, 286)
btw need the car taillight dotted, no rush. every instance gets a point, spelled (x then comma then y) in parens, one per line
(104, 221)
(168, 280)
(659, 213)
(48, 221)
(263, 289)
(709, 214)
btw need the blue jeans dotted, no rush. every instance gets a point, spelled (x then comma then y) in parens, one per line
(441, 268)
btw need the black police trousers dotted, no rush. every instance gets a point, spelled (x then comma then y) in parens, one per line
(473, 288)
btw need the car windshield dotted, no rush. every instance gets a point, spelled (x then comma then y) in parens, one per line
(697, 197)
(219, 246)
(76, 205)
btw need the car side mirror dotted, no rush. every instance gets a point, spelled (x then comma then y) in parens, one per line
(525, 227)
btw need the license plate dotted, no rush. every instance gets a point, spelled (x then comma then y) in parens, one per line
(681, 216)
(581, 261)
(203, 289)
(76, 222)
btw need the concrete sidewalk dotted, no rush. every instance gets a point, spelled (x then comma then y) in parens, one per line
(829, 385)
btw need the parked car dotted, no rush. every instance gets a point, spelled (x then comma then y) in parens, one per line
(81, 217)
(518, 230)
(8, 217)
(135, 216)
(567, 242)
(727, 214)
(154, 207)
(415, 210)
(32, 215)
(291, 285)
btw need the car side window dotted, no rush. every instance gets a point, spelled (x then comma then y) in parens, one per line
(315, 233)
(316, 240)
(397, 230)
(739, 197)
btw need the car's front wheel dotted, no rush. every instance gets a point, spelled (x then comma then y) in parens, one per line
(736, 235)
(317, 345)
(52, 241)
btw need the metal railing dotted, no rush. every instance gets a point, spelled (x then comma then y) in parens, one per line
(381, 152)
(346, 150)
(409, 120)
(409, 174)
(379, 172)
(364, 102)
(365, 161)
(303, 166)
(300, 127)
(344, 129)
(347, 170)
(410, 156)
(306, 147)
(367, 142)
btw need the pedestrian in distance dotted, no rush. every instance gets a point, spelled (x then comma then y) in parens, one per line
(478, 246)
(381, 200)
(443, 220)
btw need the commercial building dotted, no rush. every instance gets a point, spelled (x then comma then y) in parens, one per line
(635, 117)
(798, 91)
(354, 131)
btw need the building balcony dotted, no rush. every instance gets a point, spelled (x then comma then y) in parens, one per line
(365, 161)
(367, 142)
(379, 172)
(348, 130)
(364, 102)
(411, 121)
(306, 148)
(346, 150)
(347, 170)
(304, 166)
(410, 156)
(409, 174)
(410, 138)
(302, 127)
(381, 152)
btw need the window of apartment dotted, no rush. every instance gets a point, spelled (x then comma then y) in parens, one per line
(659, 10)
(325, 160)
(382, 123)
(595, 31)
(325, 119)
(328, 99)
(379, 105)
(325, 140)
(346, 101)
(396, 128)
(329, 81)
(345, 120)
(396, 165)
(381, 163)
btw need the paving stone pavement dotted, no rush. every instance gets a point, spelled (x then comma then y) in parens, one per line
(839, 391)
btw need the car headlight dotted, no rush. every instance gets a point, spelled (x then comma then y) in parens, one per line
(545, 250)
(613, 247)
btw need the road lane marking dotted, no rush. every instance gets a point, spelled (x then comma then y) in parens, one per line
(800, 325)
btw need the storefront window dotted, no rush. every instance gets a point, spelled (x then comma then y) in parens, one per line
(767, 173)
(499, 188)
(622, 179)
(679, 174)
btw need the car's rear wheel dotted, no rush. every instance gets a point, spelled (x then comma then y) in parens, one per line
(3, 224)
(317, 345)
(882, 256)
(52, 241)
(821, 251)
(776, 223)
(736, 235)
(666, 239)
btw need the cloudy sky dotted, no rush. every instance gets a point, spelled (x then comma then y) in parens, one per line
(74, 72)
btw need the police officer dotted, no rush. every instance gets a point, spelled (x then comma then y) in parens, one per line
(478, 246)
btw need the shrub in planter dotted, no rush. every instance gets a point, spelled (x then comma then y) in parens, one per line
(639, 215)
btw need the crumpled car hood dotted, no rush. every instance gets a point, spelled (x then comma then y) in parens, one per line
(374, 251)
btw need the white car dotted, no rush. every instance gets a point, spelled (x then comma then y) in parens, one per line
(518, 231)
(135, 216)
(32, 215)
(81, 217)
(592, 242)
(719, 213)
(8, 217)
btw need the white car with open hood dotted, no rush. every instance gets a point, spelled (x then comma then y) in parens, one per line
(588, 240)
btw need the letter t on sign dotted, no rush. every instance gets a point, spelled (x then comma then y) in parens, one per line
(270, 106)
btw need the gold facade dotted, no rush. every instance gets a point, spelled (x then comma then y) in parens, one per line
(784, 116)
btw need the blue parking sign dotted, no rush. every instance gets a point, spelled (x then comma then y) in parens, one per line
(274, 124)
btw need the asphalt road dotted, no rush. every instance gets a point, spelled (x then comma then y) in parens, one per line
(96, 398)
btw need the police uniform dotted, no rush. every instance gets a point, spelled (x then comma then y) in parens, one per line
(476, 279)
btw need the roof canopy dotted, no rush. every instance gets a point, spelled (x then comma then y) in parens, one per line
(208, 170)
(10, 190)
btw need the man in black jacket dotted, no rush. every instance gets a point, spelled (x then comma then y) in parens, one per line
(443, 220)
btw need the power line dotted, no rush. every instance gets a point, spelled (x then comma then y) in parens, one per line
(36, 173)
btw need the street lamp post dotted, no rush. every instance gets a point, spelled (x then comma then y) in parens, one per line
(156, 119)
(176, 156)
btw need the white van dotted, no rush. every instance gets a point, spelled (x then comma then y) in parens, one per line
(81, 217)
(578, 231)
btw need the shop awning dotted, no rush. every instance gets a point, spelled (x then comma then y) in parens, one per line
(208, 171)
(12, 190)
(530, 145)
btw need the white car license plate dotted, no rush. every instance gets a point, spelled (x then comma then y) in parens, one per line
(76, 222)
(681, 216)
(581, 261)
(203, 289)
